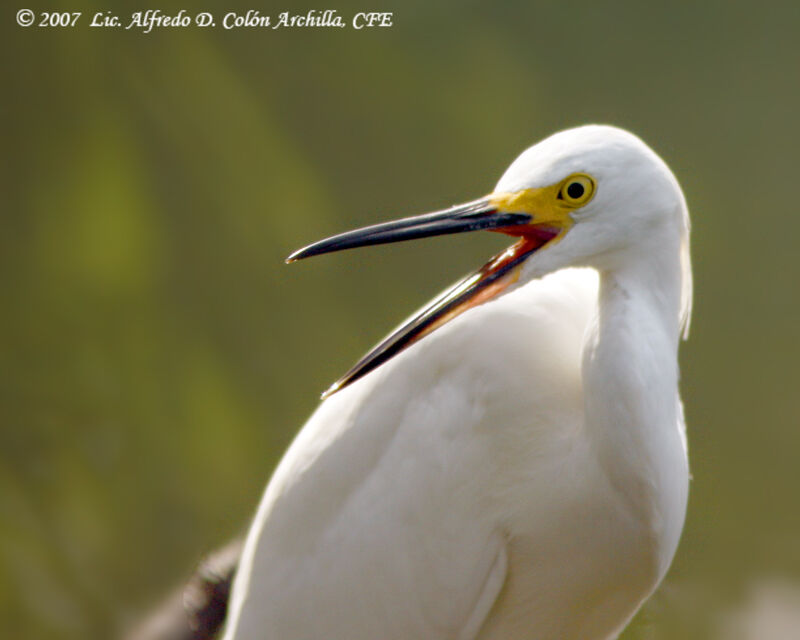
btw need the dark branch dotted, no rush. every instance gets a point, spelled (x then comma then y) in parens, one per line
(196, 611)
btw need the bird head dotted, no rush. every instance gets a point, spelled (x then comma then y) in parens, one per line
(602, 191)
(593, 196)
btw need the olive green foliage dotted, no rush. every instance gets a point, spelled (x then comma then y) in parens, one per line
(158, 356)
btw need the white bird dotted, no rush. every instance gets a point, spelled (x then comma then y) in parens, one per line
(512, 461)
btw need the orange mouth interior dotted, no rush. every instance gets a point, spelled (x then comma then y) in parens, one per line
(488, 282)
(531, 238)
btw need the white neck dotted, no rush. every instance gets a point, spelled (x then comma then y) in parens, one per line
(630, 382)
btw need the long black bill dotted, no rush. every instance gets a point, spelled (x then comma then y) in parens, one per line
(482, 285)
(472, 216)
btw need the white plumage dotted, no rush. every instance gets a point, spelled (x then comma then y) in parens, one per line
(521, 471)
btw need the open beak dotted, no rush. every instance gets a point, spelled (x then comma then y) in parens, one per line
(483, 284)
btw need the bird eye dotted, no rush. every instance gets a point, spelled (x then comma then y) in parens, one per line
(577, 189)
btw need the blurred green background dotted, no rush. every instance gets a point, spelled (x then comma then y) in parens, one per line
(158, 357)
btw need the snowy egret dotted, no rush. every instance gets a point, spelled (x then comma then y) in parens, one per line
(511, 462)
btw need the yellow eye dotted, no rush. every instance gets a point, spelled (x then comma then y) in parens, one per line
(576, 190)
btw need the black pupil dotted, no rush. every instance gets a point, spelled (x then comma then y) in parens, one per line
(575, 190)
